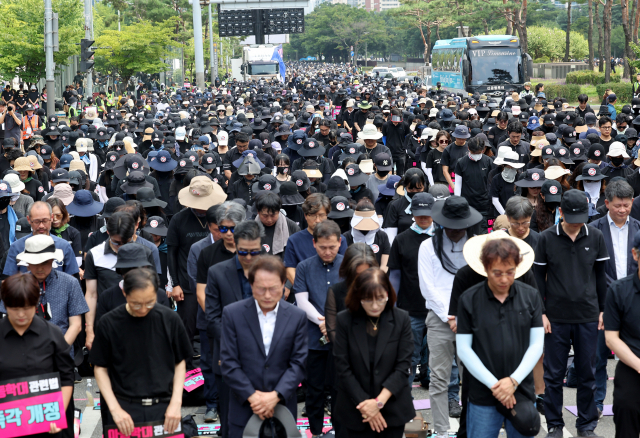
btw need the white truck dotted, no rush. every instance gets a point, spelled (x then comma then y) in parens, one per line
(257, 63)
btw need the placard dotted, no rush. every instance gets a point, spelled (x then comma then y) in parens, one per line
(336, 111)
(29, 405)
(193, 379)
(153, 429)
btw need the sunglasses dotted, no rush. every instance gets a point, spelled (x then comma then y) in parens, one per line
(224, 230)
(443, 142)
(253, 253)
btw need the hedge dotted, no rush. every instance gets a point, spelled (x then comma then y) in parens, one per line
(589, 77)
(622, 90)
(569, 92)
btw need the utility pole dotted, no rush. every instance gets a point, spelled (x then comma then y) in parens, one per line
(197, 44)
(50, 65)
(213, 58)
(88, 32)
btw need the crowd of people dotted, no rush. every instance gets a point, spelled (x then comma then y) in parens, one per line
(323, 240)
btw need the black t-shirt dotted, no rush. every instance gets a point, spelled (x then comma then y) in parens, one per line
(141, 353)
(622, 311)
(501, 333)
(452, 154)
(433, 161)
(35, 189)
(531, 239)
(7, 95)
(606, 144)
(105, 181)
(475, 176)
(497, 135)
(209, 256)
(185, 229)
(380, 245)
(396, 217)
(364, 192)
(499, 189)
(404, 256)
(113, 297)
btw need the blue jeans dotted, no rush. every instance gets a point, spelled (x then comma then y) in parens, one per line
(206, 358)
(421, 355)
(602, 353)
(486, 421)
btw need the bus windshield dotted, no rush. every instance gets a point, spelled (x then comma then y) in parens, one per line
(263, 69)
(497, 65)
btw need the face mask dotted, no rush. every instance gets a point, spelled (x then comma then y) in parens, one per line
(617, 161)
(356, 190)
(476, 157)
(4, 202)
(592, 187)
(282, 170)
(552, 205)
(410, 194)
(383, 173)
(509, 174)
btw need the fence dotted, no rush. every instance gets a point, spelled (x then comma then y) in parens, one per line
(556, 70)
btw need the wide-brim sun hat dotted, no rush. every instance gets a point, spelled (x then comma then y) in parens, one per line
(473, 249)
(83, 204)
(455, 213)
(39, 249)
(555, 172)
(201, 194)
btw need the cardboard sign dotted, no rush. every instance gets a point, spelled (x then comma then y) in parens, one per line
(336, 111)
(153, 429)
(302, 424)
(29, 405)
(193, 379)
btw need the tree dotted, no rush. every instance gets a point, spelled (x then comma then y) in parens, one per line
(22, 36)
(606, 57)
(568, 32)
(590, 35)
(129, 54)
(626, 27)
(421, 14)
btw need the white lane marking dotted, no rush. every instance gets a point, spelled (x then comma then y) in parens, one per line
(90, 420)
(543, 423)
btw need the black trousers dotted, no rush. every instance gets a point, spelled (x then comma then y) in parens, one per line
(188, 311)
(389, 432)
(626, 405)
(399, 162)
(139, 413)
(464, 397)
(317, 370)
(223, 405)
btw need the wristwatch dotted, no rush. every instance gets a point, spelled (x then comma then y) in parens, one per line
(380, 404)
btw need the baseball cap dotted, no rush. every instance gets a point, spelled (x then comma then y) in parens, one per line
(575, 207)
(383, 161)
(421, 204)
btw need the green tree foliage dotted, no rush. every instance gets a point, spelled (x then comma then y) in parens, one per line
(550, 43)
(129, 52)
(22, 36)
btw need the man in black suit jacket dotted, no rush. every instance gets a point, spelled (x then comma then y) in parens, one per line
(617, 225)
(263, 348)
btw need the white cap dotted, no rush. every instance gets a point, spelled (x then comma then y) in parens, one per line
(181, 133)
(223, 138)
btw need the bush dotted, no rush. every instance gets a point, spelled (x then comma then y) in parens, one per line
(542, 60)
(588, 77)
(569, 92)
(622, 90)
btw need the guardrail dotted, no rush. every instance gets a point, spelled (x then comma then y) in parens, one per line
(556, 70)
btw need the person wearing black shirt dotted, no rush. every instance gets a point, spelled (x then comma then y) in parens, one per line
(396, 131)
(277, 226)
(502, 185)
(499, 338)
(621, 315)
(130, 368)
(472, 174)
(583, 107)
(606, 134)
(515, 142)
(372, 141)
(571, 276)
(433, 159)
(398, 217)
(454, 152)
(360, 117)
(186, 228)
(498, 133)
(7, 94)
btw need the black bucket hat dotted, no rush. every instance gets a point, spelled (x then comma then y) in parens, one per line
(133, 255)
(147, 198)
(289, 194)
(355, 175)
(340, 208)
(337, 187)
(455, 213)
(156, 225)
(531, 178)
(300, 178)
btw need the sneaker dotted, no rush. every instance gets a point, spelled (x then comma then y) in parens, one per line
(599, 414)
(327, 406)
(590, 433)
(211, 416)
(554, 432)
(455, 410)
(77, 377)
(540, 403)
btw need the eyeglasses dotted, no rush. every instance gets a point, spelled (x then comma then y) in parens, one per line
(58, 217)
(138, 306)
(38, 222)
(499, 274)
(264, 290)
(253, 253)
(378, 301)
(224, 230)
(520, 224)
(602, 128)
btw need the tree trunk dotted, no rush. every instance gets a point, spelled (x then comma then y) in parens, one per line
(438, 32)
(425, 54)
(507, 14)
(486, 26)
(636, 21)
(606, 58)
(600, 38)
(428, 54)
(590, 35)
(568, 41)
(627, 37)
(522, 28)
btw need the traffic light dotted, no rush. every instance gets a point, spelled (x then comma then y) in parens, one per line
(86, 55)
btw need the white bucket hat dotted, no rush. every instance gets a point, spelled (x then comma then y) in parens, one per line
(38, 249)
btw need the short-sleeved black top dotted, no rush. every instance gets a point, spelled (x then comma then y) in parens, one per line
(622, 311)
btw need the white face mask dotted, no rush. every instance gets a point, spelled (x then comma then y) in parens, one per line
(593, 188)
(509, 174)
(476, 157)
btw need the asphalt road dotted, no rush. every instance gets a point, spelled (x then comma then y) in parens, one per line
(92, 427)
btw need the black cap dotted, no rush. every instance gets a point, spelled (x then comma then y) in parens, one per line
(383, 161)
(110, 206)
(552, 191)
(340, 208)
(575, 207)
(421, 204)
(156, 225)
(596, 152)
(60, 175)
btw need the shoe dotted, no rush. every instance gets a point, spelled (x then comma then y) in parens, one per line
(540, 403)
(554, 432)
(304, 412)
(327, 406)
(211, 416)
(455, 410)
(77, 378)
(599, 414)
(590, 433)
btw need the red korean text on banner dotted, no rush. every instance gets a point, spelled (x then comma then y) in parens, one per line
(29, 405)
(153, 429)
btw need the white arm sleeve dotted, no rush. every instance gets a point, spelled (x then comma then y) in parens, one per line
(497, 205)
(531, 356)
(302, 299)
(391, 234)
(429, 172)
(457, 189)
(102, 194)
(471, 360)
